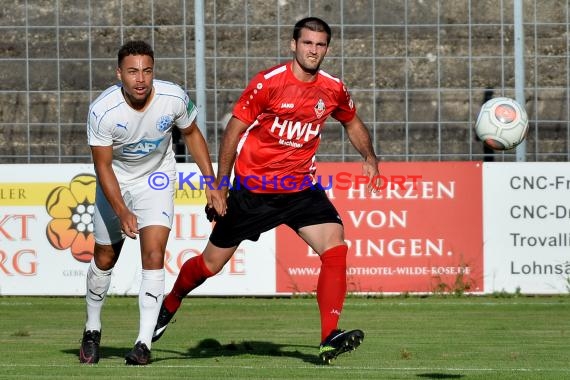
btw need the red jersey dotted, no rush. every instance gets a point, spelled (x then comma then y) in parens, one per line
(286, 116)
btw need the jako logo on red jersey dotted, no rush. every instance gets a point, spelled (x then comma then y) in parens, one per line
(295, 130)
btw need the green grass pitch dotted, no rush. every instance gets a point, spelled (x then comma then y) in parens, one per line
(433, 337)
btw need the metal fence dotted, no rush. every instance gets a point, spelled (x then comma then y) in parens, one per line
(418, 70)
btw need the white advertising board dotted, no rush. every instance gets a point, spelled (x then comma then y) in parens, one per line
(46, 238)
(526, 228)
(46, 242)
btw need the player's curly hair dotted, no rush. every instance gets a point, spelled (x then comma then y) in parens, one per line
(135, 47)
(312, 23)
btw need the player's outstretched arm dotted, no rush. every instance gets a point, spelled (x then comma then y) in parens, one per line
(359, 136)
(228, 147)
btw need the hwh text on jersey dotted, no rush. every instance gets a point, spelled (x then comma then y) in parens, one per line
(295, 129)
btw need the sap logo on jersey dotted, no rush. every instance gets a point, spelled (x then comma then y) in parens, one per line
(141, 148)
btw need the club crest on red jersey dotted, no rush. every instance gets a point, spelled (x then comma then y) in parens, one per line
(320, 108)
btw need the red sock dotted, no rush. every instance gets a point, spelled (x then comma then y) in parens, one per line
(331, 288)
(192, 274)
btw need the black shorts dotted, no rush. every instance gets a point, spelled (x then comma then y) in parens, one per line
(250, 214)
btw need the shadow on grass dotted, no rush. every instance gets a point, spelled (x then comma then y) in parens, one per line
(440, 376)
(211, 348)
(105, 352)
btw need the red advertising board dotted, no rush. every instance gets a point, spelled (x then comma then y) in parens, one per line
(421, 231)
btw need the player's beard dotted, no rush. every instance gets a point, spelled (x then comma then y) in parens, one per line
(309, 66)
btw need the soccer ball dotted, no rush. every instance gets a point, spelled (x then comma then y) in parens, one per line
(502, 123)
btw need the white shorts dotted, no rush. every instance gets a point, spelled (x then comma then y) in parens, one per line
(151, 207)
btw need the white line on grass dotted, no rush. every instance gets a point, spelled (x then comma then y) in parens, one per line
(315, 367)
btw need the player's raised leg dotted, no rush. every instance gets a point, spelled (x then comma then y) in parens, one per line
(192, 274)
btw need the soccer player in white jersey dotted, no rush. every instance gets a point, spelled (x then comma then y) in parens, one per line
(129, 131)
(270, 143)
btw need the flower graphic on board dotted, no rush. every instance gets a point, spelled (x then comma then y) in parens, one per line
(72, 208)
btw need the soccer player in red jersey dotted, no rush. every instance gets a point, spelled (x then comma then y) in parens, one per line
(270, 142)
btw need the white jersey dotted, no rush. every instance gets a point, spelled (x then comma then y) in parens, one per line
(142, 141)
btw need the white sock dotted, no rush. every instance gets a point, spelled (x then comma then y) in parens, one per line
(151, 294)
(98, 282)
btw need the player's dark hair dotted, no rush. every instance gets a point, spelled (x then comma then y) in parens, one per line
(314, 24)
(136, 47)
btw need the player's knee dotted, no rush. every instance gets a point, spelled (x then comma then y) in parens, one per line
(214, 258)
(105, 256)
(336, 254)
(104, 263)
(153, 259)
(214, 267)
